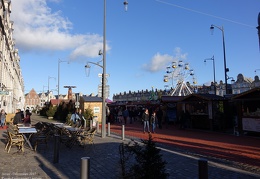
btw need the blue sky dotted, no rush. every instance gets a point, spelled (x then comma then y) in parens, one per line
(141, 42)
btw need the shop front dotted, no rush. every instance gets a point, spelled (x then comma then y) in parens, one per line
(206, 111)
(248, 112)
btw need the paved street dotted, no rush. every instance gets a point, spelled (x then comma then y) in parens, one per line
(104, 161)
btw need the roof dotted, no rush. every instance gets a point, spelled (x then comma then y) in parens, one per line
(205, 97)
(91, 98)
(253, 94)
(171, 98)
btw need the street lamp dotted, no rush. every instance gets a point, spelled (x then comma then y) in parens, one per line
(59, 61)
(224, 51)
(258, 28)
(213, 71)
(49, 87)
(103, 130)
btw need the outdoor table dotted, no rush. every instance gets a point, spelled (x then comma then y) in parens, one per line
(27, 130)
(58, 123)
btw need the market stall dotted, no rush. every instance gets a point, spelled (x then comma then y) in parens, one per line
(248, 111)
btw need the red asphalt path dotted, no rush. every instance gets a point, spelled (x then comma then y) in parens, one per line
(242, 149)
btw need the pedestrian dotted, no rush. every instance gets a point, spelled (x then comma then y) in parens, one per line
(131, 115)
(2, 117)
(17, 117)
(145, 119)
(153, 121)
(159, 115)
(182, 120)
(125, 115)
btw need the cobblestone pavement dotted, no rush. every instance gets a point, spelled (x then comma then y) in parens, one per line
(104, 161)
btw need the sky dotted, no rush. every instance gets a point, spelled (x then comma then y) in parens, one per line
(140, 42)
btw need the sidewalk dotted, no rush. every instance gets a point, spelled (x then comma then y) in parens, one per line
(104, 159)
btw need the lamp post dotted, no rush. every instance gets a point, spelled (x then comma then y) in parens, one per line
(258, 28)
(224, 52)
(103, 130)
(49, 87)
(213, 72)
(59, 61)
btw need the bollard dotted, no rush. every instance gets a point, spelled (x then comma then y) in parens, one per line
(85, 123)
(85, 168)
(108, 129)
(97, 127)
(56, 148)
(91, 124)
(203, 169)
(123, 132)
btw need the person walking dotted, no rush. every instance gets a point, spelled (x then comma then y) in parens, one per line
(145, 119)
(153, 121)
(182, 120)
(159, 115)
(125, 115)
(2, 117)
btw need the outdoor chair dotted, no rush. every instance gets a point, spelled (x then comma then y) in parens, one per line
(14, 139)
(87, 137)
(42, 137)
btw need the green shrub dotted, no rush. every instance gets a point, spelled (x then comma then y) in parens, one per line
(147, 162)
(51, 111)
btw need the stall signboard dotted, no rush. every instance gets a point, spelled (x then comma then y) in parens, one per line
(251, 124)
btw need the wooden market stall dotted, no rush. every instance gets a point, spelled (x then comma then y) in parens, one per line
(248, 111)
(206, 111)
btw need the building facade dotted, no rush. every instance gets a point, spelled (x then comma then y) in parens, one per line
(240, 85)
(11, 79)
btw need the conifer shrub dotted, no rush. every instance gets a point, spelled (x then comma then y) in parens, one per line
(142, 160)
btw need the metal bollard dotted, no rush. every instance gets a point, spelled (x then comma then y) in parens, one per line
(108, 129)
(85, 123)
(203, 169)
(85, 168)
(56, 148)
(91, 124)
(97, 127)
(123, 132)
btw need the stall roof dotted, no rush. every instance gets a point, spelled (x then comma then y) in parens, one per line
(253, 94)
(171, 98)
(205, 97)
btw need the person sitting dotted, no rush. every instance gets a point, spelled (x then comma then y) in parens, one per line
(27, 119)
(17, 118)
(75, 118)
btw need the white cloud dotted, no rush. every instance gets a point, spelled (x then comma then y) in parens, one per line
(161, 61)
(37, 28)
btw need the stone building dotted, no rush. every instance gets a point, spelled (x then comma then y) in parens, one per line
(242, 84)
(11, 79)
(32, 100)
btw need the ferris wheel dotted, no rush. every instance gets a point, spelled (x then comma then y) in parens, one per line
(182, 76)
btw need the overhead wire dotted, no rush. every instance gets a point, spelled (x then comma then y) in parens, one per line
(206, 14)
